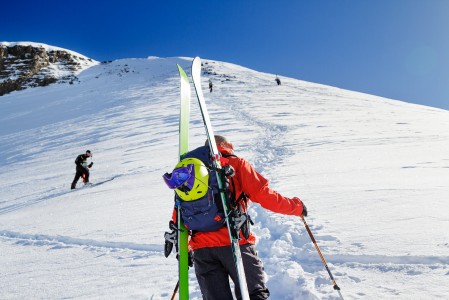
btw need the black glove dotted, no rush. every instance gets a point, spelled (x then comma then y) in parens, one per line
(171, 238)
(90, 165)
(304, 210)
(190, 259)
(229, 171)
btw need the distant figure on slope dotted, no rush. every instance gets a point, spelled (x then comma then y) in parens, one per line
(278, 81)
(210, 85)
(82, 168)
(212, 254)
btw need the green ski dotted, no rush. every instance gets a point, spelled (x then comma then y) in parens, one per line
(183, 235)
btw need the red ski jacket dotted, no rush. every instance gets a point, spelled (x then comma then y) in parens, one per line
(247, 180)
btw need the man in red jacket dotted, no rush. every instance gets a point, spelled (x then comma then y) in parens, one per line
(212, 253)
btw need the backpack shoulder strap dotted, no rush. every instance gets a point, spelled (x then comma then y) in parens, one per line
(202, 153)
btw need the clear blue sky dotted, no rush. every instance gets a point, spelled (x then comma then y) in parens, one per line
(393, 48)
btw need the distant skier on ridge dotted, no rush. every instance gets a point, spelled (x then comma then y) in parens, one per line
(82, 168)
(278, 81)
(210, 86)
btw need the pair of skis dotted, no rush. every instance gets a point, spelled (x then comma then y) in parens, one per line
(183, 148)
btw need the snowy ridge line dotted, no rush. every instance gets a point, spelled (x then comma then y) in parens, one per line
(42, 240)
(45, 46)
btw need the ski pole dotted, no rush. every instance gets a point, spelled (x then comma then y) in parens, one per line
(336, 287)
(175, 291)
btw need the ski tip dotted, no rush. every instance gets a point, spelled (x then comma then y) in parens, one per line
(196, 63)
(181, 71)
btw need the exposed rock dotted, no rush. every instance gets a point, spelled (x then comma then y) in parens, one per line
(24, 65)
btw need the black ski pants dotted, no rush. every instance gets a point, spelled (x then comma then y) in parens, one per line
(214, 266)
(80, 172)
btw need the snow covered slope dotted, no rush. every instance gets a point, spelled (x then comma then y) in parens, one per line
(373, 173)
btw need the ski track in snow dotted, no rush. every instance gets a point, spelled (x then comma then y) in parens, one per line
(49, 194)
(58, 242)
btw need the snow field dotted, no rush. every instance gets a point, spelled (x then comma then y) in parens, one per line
(372, 172)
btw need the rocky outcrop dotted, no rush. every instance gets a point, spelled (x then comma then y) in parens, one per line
(24, 65)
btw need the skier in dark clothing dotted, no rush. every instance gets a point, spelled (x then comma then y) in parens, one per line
(278, 81)
(82, 168)
(210, 85)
